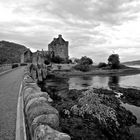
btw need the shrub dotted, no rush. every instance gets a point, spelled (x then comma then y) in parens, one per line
(14, 66)
(83, 68)
(77, 60)
(59, 67)
(46, 62)
(83, 64)
(57, 59)
(69, 61)
(86, 60)
(23, 64)
(102, 64)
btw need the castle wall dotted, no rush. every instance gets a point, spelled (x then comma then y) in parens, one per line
(59, 47)
(22, 58)
(26, 57)
(60, 50)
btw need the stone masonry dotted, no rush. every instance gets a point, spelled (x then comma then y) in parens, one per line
(59, 47)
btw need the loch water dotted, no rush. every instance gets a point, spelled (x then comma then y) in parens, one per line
(82, 82)
(132, 81)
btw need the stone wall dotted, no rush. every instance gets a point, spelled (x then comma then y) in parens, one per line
(41, 119)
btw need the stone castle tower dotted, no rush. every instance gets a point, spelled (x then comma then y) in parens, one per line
(59, 47)
(26, 57)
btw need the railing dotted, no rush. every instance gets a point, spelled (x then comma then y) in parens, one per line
(5, 67)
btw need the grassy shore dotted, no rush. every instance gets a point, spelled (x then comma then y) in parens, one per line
(97, 71)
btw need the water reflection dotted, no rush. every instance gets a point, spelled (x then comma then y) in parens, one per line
(87, 78)
(57, 86)
(113, 81)
(85, 81)
(94, 81)
(88, 81)
(108, 82)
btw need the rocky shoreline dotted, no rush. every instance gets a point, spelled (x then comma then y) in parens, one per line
(130, 95)
(92, 114)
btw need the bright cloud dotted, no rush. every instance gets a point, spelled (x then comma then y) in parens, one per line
(93, 28)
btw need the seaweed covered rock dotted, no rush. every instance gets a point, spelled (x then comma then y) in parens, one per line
(91, 104)
(113, 119)
(130, 92)
(129, 95)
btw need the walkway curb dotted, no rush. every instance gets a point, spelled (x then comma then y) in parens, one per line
(20, 122)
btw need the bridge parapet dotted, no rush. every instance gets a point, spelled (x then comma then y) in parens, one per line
(36, 118)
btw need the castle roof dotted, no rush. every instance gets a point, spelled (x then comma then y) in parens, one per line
(26, 51)
(58, 40)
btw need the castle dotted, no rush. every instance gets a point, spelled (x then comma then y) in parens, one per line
(59, 47)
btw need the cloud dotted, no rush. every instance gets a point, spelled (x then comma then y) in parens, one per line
(93, 28)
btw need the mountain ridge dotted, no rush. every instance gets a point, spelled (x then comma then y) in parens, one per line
(10, 52)
(135, 62)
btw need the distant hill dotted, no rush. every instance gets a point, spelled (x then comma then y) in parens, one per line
(10, 52)
(136, 62)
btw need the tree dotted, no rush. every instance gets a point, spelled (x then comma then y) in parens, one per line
(47, 62)
(57, 59)
(102, 64)
(114, 61)
(86, 61)
(77, 60)
(84, 64)
(81, 67)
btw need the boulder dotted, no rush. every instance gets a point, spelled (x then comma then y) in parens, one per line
(38, 109)
(27, 79)
(30, 90)
(34, 74)
(44, 132)
(37, 95)
(51, 119)
(35, 102)
(39, 74)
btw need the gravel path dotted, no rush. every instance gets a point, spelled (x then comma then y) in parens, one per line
(9, 89)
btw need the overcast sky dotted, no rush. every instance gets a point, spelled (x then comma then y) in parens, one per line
(95, 28)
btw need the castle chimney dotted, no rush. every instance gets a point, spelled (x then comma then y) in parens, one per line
(60, 36)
